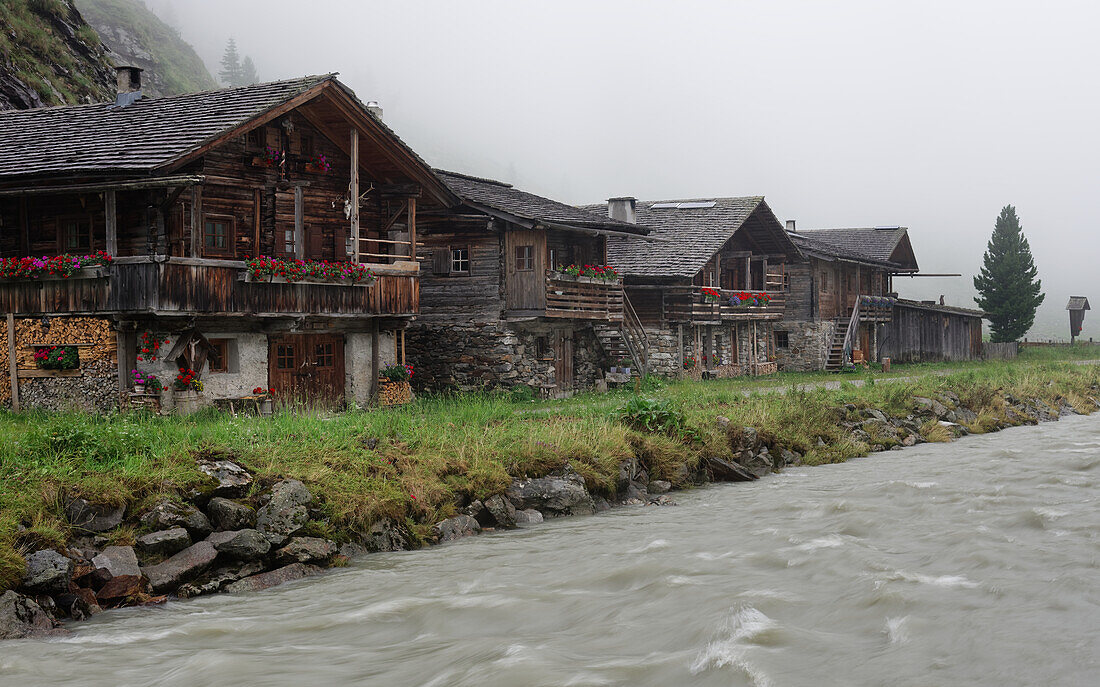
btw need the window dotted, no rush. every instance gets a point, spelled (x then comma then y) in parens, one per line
(76, 236)
(824, 282)
(782, 340)
(787, 282)
(217, 236)
(325, 355)
(306, 146)
(284, 357)
(460, 260)
(525, 258)
(256, 139)
(219, 355)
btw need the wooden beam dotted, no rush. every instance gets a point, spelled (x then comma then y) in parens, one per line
(396, 216)
(299, 224)
(412, 227)
(24, 227)
(196, 221)
(12, 363)
(110, 213)
(257, 215)
(100, 187)
(354, 193)
(374, 368)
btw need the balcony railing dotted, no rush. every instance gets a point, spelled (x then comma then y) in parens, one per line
(583, 298)
(194, 286)
(691, 305)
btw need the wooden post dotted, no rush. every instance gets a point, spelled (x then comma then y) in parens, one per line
(764, 275)
(122, 353)
(12, 363)
(354, 193)
(748, 274)
(299, 224)
(24, 226)
(374, 367)
(403, 347)
(196, 221)
(412, 229)
(257, 213)
(111, 219)
(680, 347)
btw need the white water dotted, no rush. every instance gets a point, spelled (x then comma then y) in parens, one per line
(971, 563)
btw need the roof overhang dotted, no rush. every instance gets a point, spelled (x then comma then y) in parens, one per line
(533, 223)
(99, 186)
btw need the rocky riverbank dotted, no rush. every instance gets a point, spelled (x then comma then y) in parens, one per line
(234, 534)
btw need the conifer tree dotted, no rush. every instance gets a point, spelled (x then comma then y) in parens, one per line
(231, 65)
(1008, 287)
(248, 72)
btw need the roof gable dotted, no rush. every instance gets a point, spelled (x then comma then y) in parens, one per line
(693, 230)
(882, 246)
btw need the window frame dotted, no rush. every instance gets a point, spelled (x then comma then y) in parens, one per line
(221, 348)
(457, 261)
(528, 258)
(62, 234)
(230, 222)
(786, 339)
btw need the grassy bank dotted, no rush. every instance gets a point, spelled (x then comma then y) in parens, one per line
(411, 463)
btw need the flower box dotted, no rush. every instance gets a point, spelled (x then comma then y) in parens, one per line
(248, 278)
(315, 169)
(393, 393)
(562, 276)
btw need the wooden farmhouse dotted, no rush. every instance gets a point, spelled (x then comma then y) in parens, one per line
(174, 201)
(711, 286)
(843, 307)
(515, 292)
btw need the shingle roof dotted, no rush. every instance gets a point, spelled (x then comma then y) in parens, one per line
(872, 243)
(692, 235)
(503, 197)
(141, 137)
(816, 247)
(1078, 303)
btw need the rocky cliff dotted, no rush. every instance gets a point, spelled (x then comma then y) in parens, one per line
(50, 56)
(138, 37)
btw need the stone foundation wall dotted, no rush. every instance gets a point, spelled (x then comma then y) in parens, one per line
(94, 389)
(809, 343)
(480, 356)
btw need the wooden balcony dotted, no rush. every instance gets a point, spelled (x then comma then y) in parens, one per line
(583, 298)
(689, 305)
(191, 286)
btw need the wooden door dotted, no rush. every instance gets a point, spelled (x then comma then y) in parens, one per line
(865, 341)
(563, 360)
(307, 368)
(525, 270)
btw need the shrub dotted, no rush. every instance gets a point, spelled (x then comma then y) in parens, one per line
(57, 357)
(648, 414)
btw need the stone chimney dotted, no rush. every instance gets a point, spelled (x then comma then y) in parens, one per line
(129, 85)
(790, 226)
(624, 209)
(375, 109)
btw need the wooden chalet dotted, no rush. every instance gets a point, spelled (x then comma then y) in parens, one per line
(179, 193)
(505, 298)
(843, 308)
(710, 287)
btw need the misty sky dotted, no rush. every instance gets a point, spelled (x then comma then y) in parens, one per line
(931, 115)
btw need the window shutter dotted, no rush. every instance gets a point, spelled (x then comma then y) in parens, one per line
(441, 260)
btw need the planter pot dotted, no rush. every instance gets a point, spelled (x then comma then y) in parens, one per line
(139, 388)
(624, 370)
(314, 169)
(393, 393)
(186, 402)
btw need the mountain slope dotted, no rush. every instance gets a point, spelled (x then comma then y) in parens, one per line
(50, 56)
(138, 37)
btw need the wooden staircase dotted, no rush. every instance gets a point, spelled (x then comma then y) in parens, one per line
(835, 358)
(625, 339)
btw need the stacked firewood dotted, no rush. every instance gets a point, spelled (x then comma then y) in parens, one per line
(96, 332)
(393, 393)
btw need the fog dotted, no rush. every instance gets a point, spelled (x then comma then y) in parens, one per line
(929, 115)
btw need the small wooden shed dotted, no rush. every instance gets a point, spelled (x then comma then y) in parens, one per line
(1077, 306)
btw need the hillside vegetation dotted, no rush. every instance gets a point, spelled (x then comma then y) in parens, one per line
(50, 56)
(138, 37)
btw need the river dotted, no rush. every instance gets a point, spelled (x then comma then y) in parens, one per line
(971, 563)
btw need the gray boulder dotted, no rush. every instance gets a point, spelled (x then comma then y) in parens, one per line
(456, 528)
(48, 572)
(164, 542)
(118, 560)
(659, 486)
(215, 580)
(230, 479)
(245, 545)
(635, 494)
(386, 535)
(724, 471)
(552, 496)
(255, 583)
(230, 515)
(285, 512)
(502, 510)
(184, 566)
(167, 515)
(528, 517)
(306, 550)
(22, 618)
(93, 517)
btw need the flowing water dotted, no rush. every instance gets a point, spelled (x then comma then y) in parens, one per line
(971, 563)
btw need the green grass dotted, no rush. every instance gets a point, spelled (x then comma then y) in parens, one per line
(412, 463)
